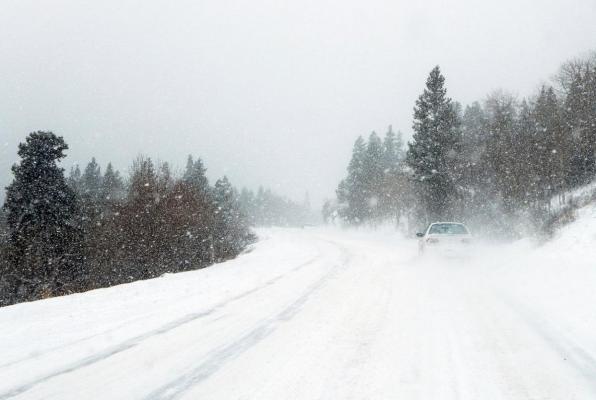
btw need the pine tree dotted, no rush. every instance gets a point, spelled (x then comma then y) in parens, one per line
(195, 174)
(499, 157)
(580, 125)
(100, 225)
(327, 211)
(527, 170)
(40, 210)
(373, 174)
(248, 205)
(90, 195)
(164, 179)
(140, 222)
(231, 233)
(112, 186)
(352, 192)
(394, 186)
(201, 218)
(143, 182)
(474, 176)
(74, 179)
(474, 131)
(434, 147)
(261, 208)
(91, 180)
(188, 172)
(393, 152)
(552, 146)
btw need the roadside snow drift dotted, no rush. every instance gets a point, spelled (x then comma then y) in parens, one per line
(324, 314)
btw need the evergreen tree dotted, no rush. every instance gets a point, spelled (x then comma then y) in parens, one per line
(195, 174)
(188, 172)
(474, 174)
(112, 186)
(552, 146)
(394, 186)
(231, 233)
(164, 179)
(499, 157)
(580, 125)
(90, 196)
(139, 223)
(393, 152)
(99, 223)
(526, 164)
(373, 175)
(327, 211)
(40, 210)
(190, 216)
(74, 179)
(143, 182)
(261, 207)
(474, 130)
(248, 205)
(352, 192)
(434, 147)
(91, 180)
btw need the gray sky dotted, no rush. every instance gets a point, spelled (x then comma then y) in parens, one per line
(266, 91)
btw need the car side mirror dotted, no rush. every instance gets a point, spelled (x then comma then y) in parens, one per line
(419, 234)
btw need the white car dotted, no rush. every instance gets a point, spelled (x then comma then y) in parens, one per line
(445, 238)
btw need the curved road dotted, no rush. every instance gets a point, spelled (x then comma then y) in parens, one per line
(309, 314)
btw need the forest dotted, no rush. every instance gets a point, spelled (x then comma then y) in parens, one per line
(503, 165)
(92, 229)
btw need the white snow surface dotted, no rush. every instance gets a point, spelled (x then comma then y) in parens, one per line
(324, 314)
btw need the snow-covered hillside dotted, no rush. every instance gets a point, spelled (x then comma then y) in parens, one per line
(324, 314)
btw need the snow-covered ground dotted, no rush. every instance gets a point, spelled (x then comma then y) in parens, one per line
(324, 314)
(580, 196)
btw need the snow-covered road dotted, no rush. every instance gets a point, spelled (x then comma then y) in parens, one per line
(321, 314)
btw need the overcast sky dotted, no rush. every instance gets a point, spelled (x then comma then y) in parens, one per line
(267, 92)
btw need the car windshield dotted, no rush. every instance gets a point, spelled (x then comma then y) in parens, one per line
(448, 229)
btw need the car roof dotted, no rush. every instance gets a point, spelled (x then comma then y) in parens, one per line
(448, 223)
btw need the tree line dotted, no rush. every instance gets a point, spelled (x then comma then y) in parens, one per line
(62, 235)
(265, 208)
(374, 188)
(499, 164)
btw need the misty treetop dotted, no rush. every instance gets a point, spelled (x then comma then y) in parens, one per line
(490, 163)
(265, 208)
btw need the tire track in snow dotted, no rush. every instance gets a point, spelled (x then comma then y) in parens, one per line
(139, 339)
(51, 350)
(218, 358)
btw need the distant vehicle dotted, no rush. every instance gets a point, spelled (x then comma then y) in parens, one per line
(444, 238)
